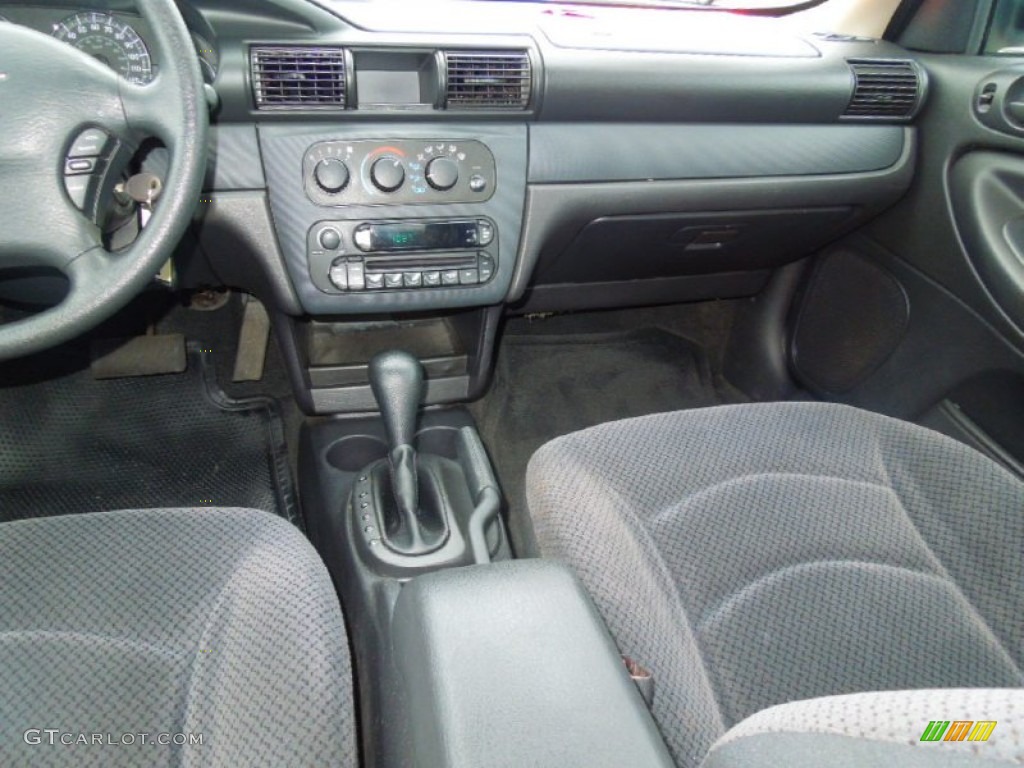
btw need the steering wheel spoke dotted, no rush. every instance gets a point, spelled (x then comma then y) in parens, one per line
(147, 112)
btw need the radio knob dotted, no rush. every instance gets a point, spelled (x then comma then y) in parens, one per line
(442, 173)
(387, 174)
(331, 175)
(330, 239)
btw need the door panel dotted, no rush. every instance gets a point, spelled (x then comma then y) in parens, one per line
(955, 243)
(987, 194)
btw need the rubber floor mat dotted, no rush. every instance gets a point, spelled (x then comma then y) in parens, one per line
(72, 444)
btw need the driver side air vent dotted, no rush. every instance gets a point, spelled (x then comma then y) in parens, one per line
(884, 88)
(487, 79)
(298, 78)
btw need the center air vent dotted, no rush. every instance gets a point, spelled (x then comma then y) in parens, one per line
(298, 78)
(487, 79)
(884, 88)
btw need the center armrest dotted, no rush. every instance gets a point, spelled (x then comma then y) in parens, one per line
(509, 665)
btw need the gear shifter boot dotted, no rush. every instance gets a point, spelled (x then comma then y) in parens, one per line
(404, 482)
(416, 530)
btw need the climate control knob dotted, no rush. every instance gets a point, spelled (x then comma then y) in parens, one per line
(331, 175)
(387, 174)
(442, 173)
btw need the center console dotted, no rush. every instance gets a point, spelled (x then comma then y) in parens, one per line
(394, 235)
(400, 241)
(465, 657)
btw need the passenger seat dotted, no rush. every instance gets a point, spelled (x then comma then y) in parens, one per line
(756, 555)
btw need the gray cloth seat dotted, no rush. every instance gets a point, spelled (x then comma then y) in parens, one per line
(760, 554)
(221, 624)
(881, 730)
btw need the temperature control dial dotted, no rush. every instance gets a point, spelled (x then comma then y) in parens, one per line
(331, 175)
(387, 174)
(442, 173)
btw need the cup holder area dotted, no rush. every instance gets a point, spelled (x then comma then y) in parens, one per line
(440, 441)
(356, 452)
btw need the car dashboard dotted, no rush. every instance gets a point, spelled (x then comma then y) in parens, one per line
(472, 157)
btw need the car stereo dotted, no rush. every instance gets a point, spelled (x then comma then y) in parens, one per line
(404, 254)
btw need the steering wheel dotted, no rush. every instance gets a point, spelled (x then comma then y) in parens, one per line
(50, 93)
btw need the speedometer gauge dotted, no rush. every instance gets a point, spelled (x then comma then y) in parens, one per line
(110, 41)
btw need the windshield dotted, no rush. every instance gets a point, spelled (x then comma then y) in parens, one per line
(765, 7)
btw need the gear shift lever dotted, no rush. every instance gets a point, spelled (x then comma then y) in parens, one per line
(397, 381)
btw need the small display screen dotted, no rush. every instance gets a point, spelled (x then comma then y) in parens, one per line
(412, 236)
(385, 88)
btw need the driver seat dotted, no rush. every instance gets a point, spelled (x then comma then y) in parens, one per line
(119, 630)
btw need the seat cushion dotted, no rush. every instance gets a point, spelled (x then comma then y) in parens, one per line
(221, 624)
(758, 554)
(965, 728)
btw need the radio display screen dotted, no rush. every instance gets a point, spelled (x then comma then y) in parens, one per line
(417, 236)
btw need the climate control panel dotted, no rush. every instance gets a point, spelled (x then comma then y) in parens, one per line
(398, 172)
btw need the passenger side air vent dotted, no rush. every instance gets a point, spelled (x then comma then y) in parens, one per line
(298, 78)
(883, 88)
(487, 79)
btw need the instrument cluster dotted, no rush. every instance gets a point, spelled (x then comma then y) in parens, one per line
(117, 40)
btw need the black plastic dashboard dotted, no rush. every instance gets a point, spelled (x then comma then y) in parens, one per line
(562, 129)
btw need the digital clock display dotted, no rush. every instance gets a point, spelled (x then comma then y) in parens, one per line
(417, 236)
(403, 238)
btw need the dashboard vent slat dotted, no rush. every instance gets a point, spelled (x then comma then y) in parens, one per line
(488, 79)
(296, 78)
(884, 88)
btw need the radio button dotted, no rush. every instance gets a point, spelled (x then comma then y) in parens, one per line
(469, 276)
(486, 264)
(413, 279)
(330, 239)
(339, 276)
(450, 277)
(363, 237)
(356, 277)
(374, 281)
(393, 280)
(431, 279)
(484, 232)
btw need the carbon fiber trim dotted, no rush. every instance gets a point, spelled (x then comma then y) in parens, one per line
(234, 159)
(569, 152)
